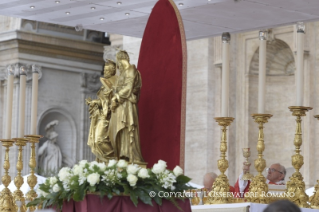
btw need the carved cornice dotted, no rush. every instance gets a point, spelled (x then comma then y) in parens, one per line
(91, 82)
(16, 67)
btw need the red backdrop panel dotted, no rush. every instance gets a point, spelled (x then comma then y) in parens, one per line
(162, 63)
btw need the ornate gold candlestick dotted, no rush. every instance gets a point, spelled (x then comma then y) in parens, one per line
(258, 184)
(246, 154)
(18, 180)
(314, 199)
(32, 179)
(296, 183)
(220, 190)
(6, 202)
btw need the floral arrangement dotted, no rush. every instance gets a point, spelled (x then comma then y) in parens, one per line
(116, 178)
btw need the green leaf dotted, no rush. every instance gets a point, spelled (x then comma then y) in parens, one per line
(157, 199)
(133, 197)
(35, 202)
(110, 195)
(183, 179)
(144, 196)
(117, 191)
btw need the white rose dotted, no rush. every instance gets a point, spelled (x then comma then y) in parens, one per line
(132, 179)
(102, 166)
(93, 163)
(143, 173)
(53, 180)
(178, 171)
(158, 168)
(132, 168)
(122, 164)
(163, 163)
(56, 188)
(64, 174)
(78, 170)
(93, 179)
(82, 163)
(112, 163)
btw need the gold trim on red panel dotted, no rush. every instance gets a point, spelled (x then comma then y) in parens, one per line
(184, 78)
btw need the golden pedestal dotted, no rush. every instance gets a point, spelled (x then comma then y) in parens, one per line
(32, 179)
(258, 185)
(7, 203)
(296, 184)
(314, 199)
(18, 180)
(220, 191)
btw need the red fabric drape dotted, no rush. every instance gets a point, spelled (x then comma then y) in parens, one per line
(161, 65)
(120, 204)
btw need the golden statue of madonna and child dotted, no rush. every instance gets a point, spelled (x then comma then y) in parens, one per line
(114, 130)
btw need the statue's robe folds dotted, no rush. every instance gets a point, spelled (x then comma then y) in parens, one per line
(98, 138)
(124, 128)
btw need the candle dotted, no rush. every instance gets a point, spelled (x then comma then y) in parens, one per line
(262, 71)
(9, 103)
(34, 101)
(23, 80)
(299, 68)
(225, 74)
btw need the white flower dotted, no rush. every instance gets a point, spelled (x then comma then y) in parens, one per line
(166, 179)
(143, 173)
(112, 163)
(82, 163)
(132, 168)
(122, 164)
(56, 188)
(158, 168)
(53, 180)
(102, 166)
(77, 170)
(64, 174)
(82, 179)
(44, 194)
(132, 179)
(163, 163)
(93, 163)
(93, 179)
(178, 171)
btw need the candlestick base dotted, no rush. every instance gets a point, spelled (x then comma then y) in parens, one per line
(32, 179)
(258, 185)
(296, 185)
(220, 191)
(6, 198)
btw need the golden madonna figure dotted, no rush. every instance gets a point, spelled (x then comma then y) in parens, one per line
(100, 114)
(124, 128)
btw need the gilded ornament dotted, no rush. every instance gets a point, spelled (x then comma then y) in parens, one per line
(220, 189)
(258, 184)
(32, 179)
(18, 180)
(314, 199)
(7, 203)
(296, 183)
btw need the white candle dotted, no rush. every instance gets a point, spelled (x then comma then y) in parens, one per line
(34, 101)
(9, 103)
(23, 80)
(225, 74)
(262, 72)
(299, 68)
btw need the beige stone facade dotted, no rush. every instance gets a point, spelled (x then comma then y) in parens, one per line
(204, 98)
(71, 66)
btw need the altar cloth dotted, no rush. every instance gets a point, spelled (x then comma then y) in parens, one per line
(237, 207)
(93, 202)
